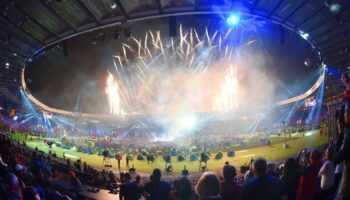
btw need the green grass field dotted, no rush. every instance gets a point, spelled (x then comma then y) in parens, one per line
(274, 152)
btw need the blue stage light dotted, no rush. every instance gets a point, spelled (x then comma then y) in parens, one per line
(233, 20)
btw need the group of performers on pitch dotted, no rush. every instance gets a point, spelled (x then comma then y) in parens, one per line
(204, 157)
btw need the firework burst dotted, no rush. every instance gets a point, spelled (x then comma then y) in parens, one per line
(158, 75)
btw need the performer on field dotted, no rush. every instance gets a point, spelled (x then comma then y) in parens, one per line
(167, 160)
(127, 161)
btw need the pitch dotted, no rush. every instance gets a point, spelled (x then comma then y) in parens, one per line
(273, 152)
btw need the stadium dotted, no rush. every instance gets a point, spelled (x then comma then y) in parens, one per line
(156, 99)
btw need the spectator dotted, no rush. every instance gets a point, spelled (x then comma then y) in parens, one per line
(2, 163)
(129, 190)
(13, 190)
(271, 169)
(327, 173)
(308, 183)
(157, 189)
(23, 177)
(75, 181)
(290, 178)
(173, 193)
(248, 176)
(208, 187)
(262, 186)
(229, 189)
(346, 82)
(342, 154)
(29, 193)
(340, 131)
(183, 190)
(338, 174)
(138, 179)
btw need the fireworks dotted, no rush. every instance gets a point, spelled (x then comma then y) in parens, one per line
(112, 91)
(165, 76)
(228, 99)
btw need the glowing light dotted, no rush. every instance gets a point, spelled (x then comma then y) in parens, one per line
(304, 35)
(114, 6)
(112, 91)
(163, 139)
(309, 133)
(15, 117)
(335, 7)
(233, 20)
(70, 155)
(188, 122)
(7, 64)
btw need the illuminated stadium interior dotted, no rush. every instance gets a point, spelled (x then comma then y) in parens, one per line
(163, 99)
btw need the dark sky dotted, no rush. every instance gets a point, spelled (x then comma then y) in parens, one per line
(57, 80)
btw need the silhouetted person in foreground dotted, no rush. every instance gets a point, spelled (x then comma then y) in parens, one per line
(262, 186)
(157, 189)
(229, 189)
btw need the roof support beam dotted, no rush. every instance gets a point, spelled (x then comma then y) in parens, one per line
(87, 11)
(35, 21)
(20, 40)
(295, 11)
(328, 19)
(339, 61)
(336, 47)
(24, 31)
(159, 6)
(329, 31)
(58, 16)
(275, 8)
(10, 59)
(11, 52)
(311, 16)
(325, 41)
(196, 5)
(331, 39)
(121, 7)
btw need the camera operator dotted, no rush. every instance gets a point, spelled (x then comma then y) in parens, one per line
(342, 148)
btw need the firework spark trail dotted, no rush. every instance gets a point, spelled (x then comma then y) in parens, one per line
(227, 33)
(152, 57)
(112, 91)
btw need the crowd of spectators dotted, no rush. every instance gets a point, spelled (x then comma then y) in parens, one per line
(314, 174)
(311, 175)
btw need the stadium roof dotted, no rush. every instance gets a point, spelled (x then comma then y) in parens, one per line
(28, 26)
